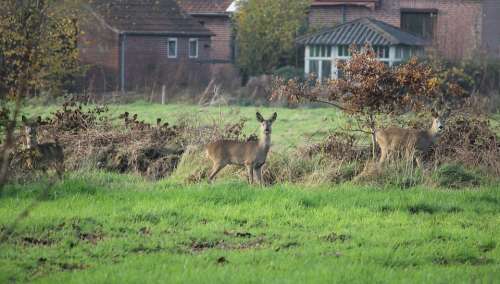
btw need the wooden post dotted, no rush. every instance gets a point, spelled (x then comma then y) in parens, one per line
(163, 94)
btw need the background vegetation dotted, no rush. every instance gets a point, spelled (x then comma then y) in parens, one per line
(266, 32)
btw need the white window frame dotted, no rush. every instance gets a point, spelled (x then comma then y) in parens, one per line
(320, 60)
(172, 39)
(197, 47)
(334, 57)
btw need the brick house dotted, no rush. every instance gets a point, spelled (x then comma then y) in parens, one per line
(456, 28)
(137, 44)
(215, 15)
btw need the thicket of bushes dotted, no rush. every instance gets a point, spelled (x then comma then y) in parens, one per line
(468, 153)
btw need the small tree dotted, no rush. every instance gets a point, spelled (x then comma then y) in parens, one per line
(369, 88)
(38, 49)
(266, 31)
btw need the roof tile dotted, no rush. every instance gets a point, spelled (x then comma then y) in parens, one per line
(205, 6)
(362, 31)
(147, 16)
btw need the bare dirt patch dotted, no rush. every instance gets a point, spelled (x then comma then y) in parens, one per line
(36, 241)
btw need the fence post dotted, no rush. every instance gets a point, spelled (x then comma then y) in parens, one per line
(163, 94)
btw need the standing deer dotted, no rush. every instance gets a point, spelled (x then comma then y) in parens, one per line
(251, 154)
(410, 141)
(42, 156)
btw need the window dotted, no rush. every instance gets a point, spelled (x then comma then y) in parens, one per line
(343, 51)
(172, 48)
(340, 72)
(399, 52)
(326, 69)
(381, 51)
(314, 67)
(419, 23)
(320, 51)
(193, 48)
(405, 52)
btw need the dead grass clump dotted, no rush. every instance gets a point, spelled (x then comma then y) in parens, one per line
(90, 140)
(471, 142)
(193, 166)
(320, 168)
(455, 176)
(338, 146)
(144, 151)
(401, 173)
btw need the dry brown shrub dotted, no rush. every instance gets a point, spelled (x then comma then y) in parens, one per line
(91, 140)
(469, 141)
(72, 117)
(339, 146)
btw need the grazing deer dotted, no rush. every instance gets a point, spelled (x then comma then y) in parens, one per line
(410, 141)
(42, 156)
(251, 154)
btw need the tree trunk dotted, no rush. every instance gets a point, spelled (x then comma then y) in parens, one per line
(9, 142)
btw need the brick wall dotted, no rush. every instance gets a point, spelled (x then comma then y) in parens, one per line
(147, 64)
(223, 70)
(490, 38)
(99, 50)
(221, 42)
(328, 16)
(459, 22)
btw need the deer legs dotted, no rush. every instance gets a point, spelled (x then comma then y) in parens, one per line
(215, 170)
(251, 172)
(258, 175)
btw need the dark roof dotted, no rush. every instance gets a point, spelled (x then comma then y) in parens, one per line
(147, 16)
(200, 7)
(362, 31)
(367, 3)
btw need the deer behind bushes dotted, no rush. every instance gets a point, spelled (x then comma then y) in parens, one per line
(251, 154)
(414, 143)
(42, 156)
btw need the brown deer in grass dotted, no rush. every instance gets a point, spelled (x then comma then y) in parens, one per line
(408, 142)
(251, 154)
(42, 156)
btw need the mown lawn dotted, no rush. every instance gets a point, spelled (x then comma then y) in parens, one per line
(109, 228)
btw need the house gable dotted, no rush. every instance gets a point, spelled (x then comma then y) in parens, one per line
(147, 16)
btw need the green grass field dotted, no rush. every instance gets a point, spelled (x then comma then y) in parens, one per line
(107, 228)
(96, 227)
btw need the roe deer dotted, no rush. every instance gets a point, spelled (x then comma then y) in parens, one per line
(396, 140)
(251, 154)
(42, 156)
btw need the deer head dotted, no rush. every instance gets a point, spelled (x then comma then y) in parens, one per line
(266, 124)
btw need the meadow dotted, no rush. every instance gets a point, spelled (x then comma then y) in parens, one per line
(293, 126)
(101, 227)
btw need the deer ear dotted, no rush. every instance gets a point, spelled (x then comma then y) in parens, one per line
(434, 113)
(275, 115)
(259, 117)
(24, 119)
